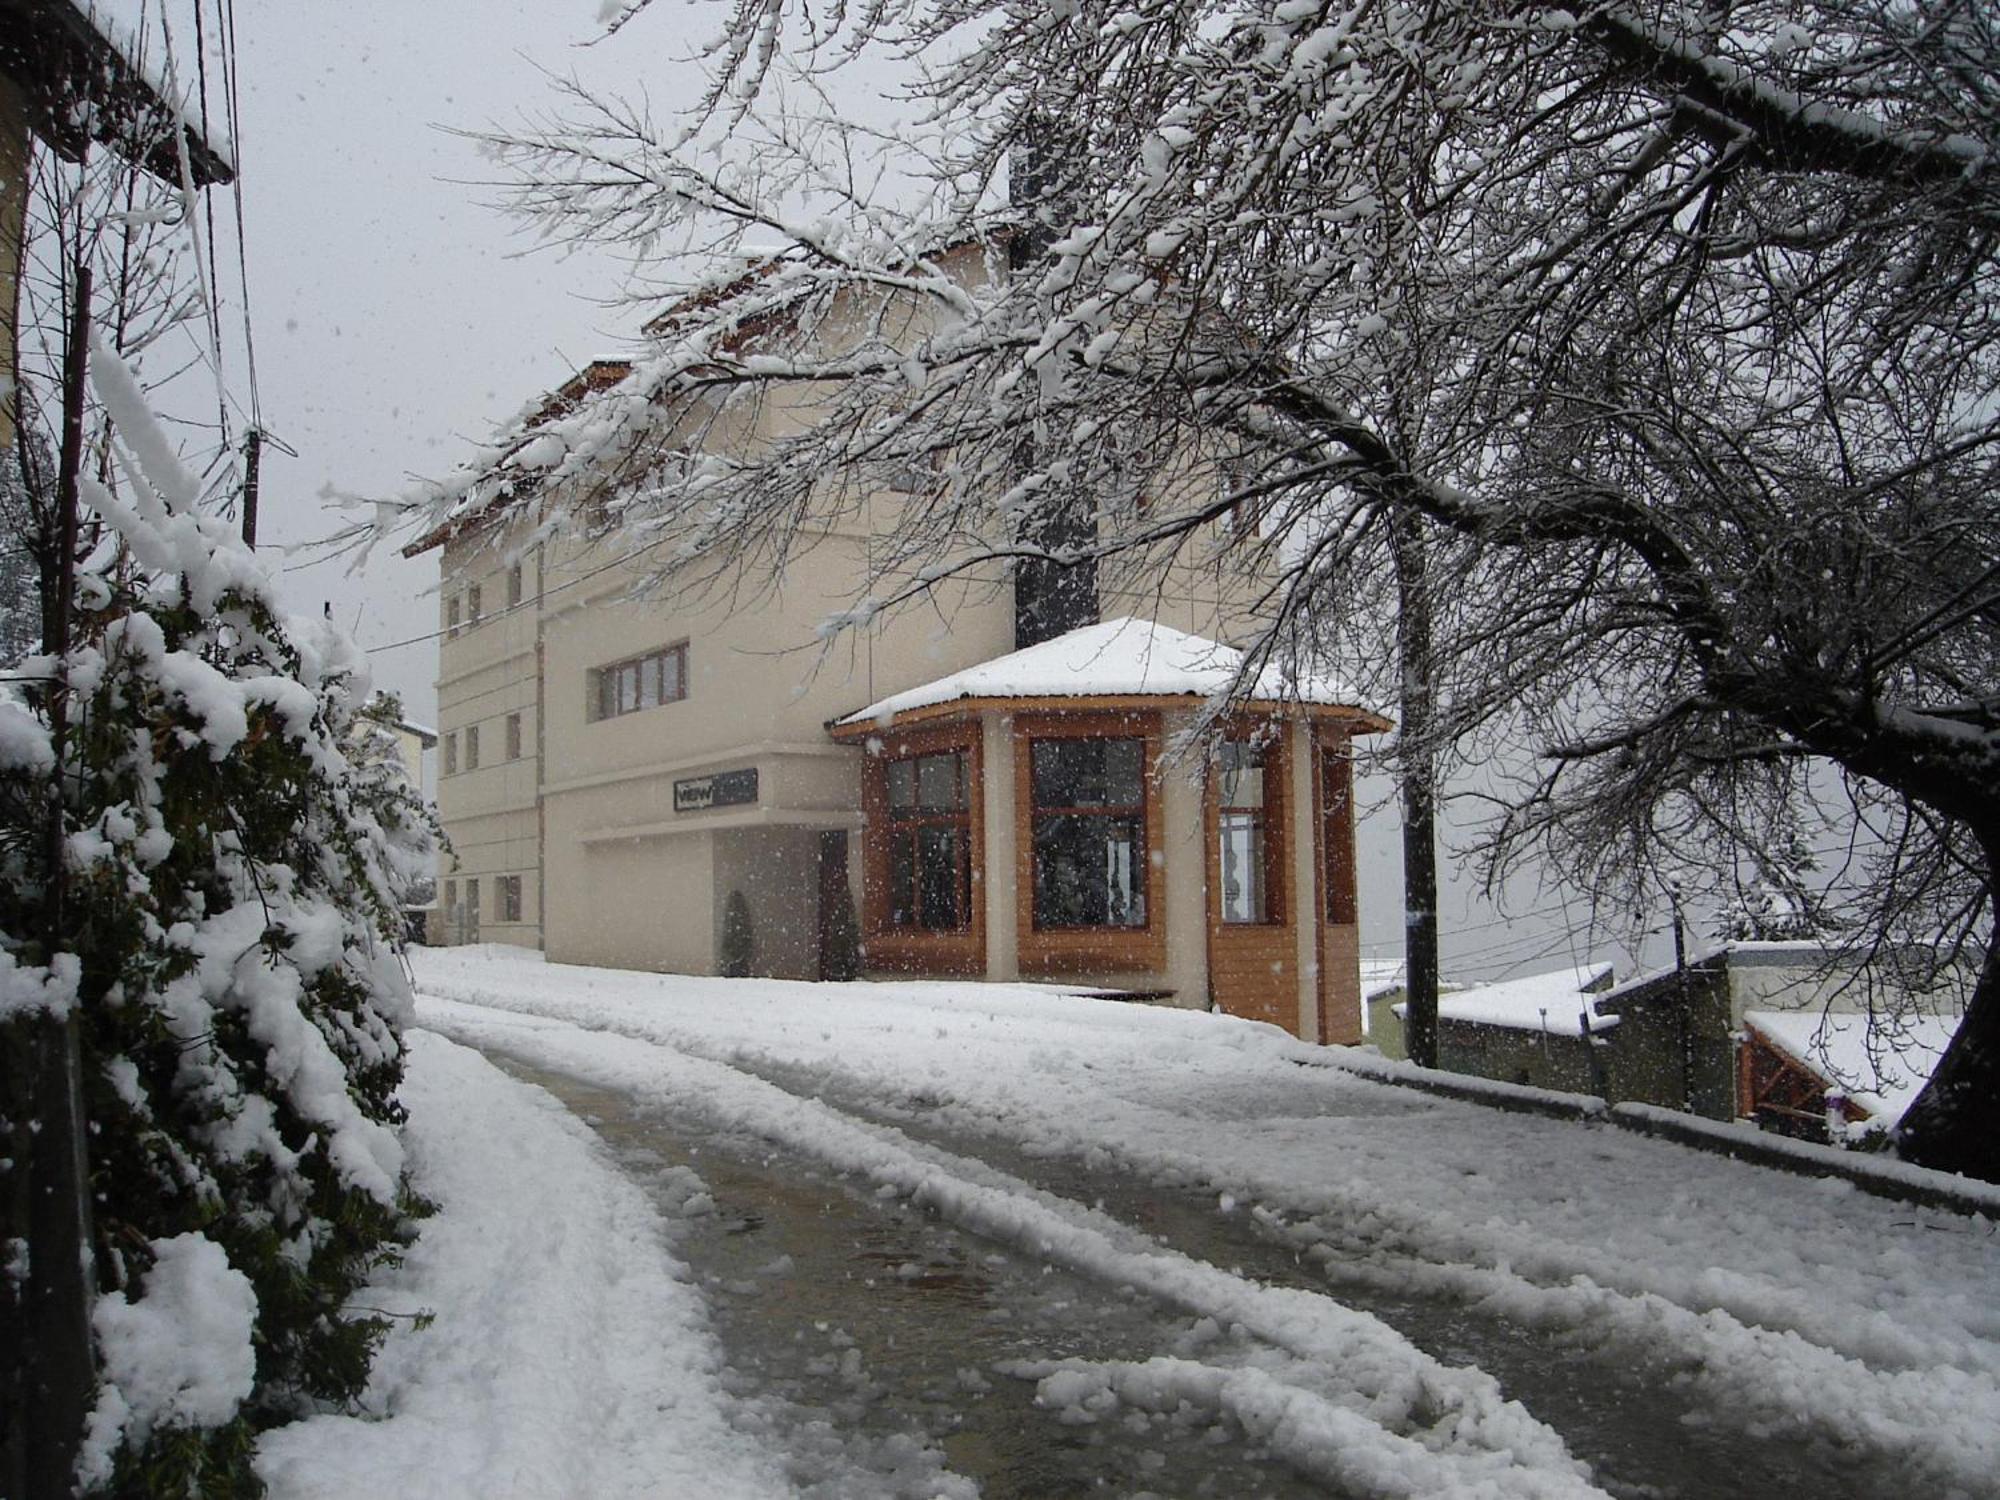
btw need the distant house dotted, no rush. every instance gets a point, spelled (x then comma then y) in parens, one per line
(1797, 1072)
(993, 776)
(411, 738)
(1778, 1032)
(1763, 1030)
(1544, 1030)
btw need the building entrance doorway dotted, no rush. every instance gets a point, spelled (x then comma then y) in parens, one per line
(839, 937)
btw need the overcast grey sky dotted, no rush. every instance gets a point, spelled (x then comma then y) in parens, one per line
(398, 315)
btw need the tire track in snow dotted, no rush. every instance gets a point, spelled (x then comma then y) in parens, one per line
(1937, 1420)
(1407, 1425)
(1762, 1362)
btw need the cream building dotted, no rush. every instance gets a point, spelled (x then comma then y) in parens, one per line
(614, 770)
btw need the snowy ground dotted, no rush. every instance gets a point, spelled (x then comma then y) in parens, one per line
(572, 1355)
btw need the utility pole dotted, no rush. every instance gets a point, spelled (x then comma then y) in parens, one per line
(1417, 772)
(50, 1365)
(253, 451)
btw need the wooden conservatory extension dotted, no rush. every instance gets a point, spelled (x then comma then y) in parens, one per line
(1075, 811)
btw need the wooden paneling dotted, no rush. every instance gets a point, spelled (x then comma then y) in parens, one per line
(1333, 848)
(1088, 950)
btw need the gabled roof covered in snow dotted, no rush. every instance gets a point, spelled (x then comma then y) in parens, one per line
(1835, 1045)
(82, 84)
(1121, 659)
(1552, 1002)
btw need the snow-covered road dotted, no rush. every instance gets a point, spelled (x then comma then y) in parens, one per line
(1730, 1300)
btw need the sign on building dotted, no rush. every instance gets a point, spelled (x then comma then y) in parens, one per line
(723, 789)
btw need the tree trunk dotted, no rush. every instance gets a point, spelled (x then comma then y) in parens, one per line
(1954, 1125)
(51, 1363)
(1418, 776)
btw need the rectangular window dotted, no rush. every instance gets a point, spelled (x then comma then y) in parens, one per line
(472, 606)
(626, 687)
(930, 842)
(513, 736)
(472, 903)
(1089, 832)
(1337, 834)
(450, 895)
(1243, 825)
(510, 898)
(472, 748)
(451, 752)
(514, 585)
(451, 616)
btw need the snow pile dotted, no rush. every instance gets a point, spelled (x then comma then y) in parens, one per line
(1401, 1402)
(1772, 1302)
(1555, 1002)
(31, 989)
(1117, 658)
(565, 1353)
(1838, 1046)
(179, 1356)
(1317, 1436)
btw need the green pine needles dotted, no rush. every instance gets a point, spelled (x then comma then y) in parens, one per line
(236, 844)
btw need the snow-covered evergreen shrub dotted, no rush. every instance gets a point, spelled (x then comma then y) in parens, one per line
(233, 925)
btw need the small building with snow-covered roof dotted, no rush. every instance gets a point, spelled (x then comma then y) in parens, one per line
(1743, 1031)
(1541, 1030)
(1078, 810)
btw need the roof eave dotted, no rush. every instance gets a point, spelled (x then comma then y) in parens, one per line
(849, 728)
(58, 56)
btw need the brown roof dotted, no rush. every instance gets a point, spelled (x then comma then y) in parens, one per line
(60, 60)
(598, 375)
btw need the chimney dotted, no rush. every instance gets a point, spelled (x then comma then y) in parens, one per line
(1051, 597)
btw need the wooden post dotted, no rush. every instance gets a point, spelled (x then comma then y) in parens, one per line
(52, 1368)
(253, 451)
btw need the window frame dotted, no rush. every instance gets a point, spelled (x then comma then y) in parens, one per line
(508, 893)
(472, 604)
(513, 733)
(603, 695)
(1060, 951)
(910, 949)
(451, 617)
(1269, 813)
(515, 585)
(1133, 813)
(1340, 907)
(915, 820)
(450, 761)
(472, 747)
